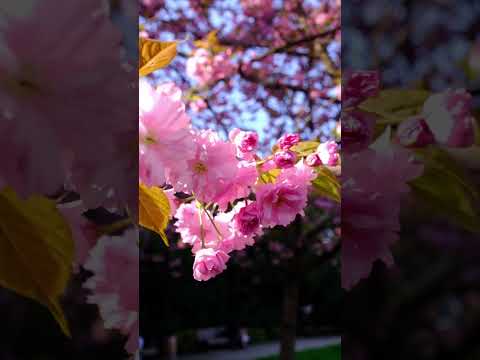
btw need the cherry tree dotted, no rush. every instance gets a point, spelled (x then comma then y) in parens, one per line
(270, 77)
(257, 65)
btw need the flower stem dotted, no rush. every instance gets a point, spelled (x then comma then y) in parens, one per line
(202, 229)
(220, 236)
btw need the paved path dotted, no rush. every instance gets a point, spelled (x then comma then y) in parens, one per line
(255, 351)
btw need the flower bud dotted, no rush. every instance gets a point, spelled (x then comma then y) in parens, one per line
(285, 159)
(414, 132)
(328, 153)
(245, 141)
(357, 131)
(288, 140)
(449, 117)
(313, 160)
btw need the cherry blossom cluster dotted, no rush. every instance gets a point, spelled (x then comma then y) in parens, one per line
(278, 50)
(319, 16)
(48, 107)
(113, 261)
(445, 119)
(379, 169)
(231, 195)
(206, 68)
(51, 105)
(257, 8)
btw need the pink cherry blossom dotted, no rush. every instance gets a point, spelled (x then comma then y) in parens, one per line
(449, 117)
(300, 174)
(232, 237)
(84, 232)
(54, 104)
(285, 159)
(173, 201)
(357, 130)
(328, 153)
(257, 8)
(206, 68)
(132, 344)
(219, 232)
(209, 263)
(198, 105)
(115, 284)
(279, 203)
(150, 7)
(414, 132)
(166, 143)
(358, 86)
(33, 163)
(320, 17)
(246, 142)
(313, 160)
(268, 165)
(193, 224)
(247, 220)
(240, 186)
(288, 140)
(372, 187)
(215, 171)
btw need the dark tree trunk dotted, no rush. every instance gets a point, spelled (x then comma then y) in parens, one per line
(288, 330)
(169, 347)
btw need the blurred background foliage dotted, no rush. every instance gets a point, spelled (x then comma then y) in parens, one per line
(428, 305)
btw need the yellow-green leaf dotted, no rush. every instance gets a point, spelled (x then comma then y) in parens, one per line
(155, 55)
(269, 176)
(154, 210)
(327, 184)
(395, 105)
(446, 190)
(305, 148)
(210, 42)
(36, 251)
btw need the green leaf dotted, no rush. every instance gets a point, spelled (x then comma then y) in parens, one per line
(395, 105)
(327, 184)
(305, 148)
(446, 190)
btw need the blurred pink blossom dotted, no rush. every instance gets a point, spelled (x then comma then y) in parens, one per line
(449, 117)
(198, 105)
(206, 68)
(358, 86)
(328, 153)
(357, 130)
(372, 188)
(257, 8)
(114, 262)
(414, 132)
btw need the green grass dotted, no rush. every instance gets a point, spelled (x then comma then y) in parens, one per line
(333, 352)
